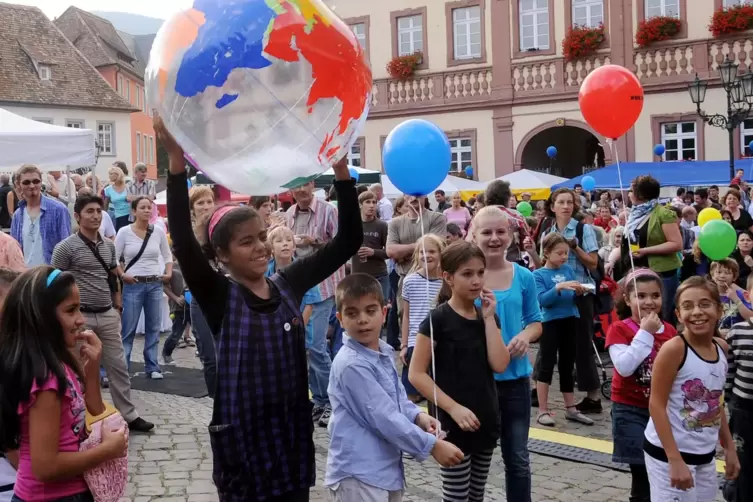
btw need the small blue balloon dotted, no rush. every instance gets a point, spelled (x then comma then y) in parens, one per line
(659, 150)
(588, 183)
(417, 157)
(551, 152)
(187, 295)
(469, 171)
(353, 173)
(189, 184)
(750, 146)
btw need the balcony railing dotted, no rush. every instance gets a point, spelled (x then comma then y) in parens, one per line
(662, 67)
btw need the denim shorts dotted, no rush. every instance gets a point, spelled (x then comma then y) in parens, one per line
(628, 427)
(81, 497)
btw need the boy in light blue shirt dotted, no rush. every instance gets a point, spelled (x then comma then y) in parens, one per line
(373, 422)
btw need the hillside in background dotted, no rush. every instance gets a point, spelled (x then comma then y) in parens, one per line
(133, 24)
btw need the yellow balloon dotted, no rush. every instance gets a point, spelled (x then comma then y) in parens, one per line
(707, 215)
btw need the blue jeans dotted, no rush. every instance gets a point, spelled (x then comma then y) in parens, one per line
(384, 281)
(337, 333)
(670, 285)
(181, 318)
(393, 321)
(146, 296)
(319, 360)
(205, 345)
(515, 409)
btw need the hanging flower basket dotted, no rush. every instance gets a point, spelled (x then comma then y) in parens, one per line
(403, 67)
(657, 29)
(582, 41)
(731, 20)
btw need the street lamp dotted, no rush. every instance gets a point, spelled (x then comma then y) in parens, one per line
(739, 91)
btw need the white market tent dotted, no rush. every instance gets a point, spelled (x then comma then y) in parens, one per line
(49, 147)
(536, 183)
(450, 185)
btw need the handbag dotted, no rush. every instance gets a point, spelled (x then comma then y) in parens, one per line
(112, 279)
(107, 481)
(133, 261)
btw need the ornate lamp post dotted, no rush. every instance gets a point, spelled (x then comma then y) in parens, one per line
(739, 90)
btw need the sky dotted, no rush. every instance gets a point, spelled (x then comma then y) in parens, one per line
(161, 9)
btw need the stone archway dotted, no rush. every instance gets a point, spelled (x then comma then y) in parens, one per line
(578, 147)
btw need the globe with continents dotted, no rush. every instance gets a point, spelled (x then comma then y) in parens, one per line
(262, 95)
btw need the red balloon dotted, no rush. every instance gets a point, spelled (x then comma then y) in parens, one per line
(611, 100)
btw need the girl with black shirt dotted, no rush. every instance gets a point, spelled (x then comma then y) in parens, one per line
(261, 428)
(468, 351)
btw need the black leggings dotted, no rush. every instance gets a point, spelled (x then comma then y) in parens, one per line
(558, 338)
(640, 490)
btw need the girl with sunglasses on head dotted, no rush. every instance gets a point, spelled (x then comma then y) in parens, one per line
(261, 430)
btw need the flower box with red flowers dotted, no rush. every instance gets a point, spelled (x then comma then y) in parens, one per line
(582, 41)
(403, 67)
(657, 29)
(732, 20)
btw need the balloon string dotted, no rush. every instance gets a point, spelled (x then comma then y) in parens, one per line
(431, 323)
(616, 156)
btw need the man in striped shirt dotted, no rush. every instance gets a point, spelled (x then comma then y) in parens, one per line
(314, 223)
(140, 186)
(739, 396)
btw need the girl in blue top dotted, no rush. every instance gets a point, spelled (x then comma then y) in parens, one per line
(116, 198)
(518, 310)
(556, 287)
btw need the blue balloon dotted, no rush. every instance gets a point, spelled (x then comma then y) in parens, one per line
(750, 145)
(588, 183)
(353, 173)
(469, 171)
(551, 152)
(659, 150)
(416, 157)
(187, 296)
(189, 184)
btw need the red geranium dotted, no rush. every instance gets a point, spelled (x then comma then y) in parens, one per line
(732, 20)
(657, 29)
(403, 67)
(582, 41)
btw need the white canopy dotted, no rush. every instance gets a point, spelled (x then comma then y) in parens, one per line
(525, 179)
(49, 147)
(451, 184)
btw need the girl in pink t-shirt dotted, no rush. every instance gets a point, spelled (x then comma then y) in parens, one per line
(49, 378)
(458, 214)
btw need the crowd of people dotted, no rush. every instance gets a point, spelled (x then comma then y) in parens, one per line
(330, 298)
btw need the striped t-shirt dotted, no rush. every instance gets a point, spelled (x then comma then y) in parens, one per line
(74, 255)
(740, 361)
(421, 295)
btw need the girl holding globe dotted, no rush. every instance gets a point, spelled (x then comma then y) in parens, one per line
(261, 429)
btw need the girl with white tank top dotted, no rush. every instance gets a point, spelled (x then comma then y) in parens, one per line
(687, 403)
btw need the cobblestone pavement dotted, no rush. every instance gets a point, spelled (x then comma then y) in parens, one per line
(174, 463)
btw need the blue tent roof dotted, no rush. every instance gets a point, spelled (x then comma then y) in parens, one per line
(683, 173)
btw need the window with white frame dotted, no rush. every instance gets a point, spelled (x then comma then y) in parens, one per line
(128, 90)
(410, 34)
(534, 25)
(462, 154)
(680, 140)
(143, 150)
(354, 156)
(106, 138)
(588, 13)
(143, 101)
(120, 85)
(45, 72)
(746, 136)
(138, 147)
(138, 96)
(733, 3)
(151, 149)
(359, 30)
(668, 8)
(466, 28)
(74, 124)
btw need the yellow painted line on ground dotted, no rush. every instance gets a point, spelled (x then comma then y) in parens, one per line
(576, 441)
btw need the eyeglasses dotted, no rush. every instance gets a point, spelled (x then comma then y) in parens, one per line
(31, 182)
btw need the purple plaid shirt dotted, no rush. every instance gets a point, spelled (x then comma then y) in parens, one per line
(54, 224)
(261, 377)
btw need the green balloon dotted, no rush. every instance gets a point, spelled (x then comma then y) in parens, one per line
(525, 208)
(717, 239)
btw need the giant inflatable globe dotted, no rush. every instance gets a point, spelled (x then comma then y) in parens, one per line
(261, 94)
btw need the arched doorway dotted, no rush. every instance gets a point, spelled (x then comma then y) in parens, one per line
(578, 149)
